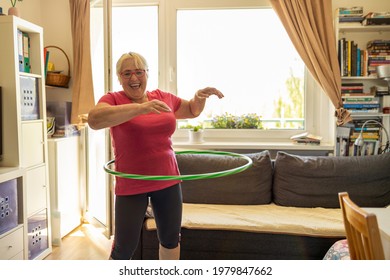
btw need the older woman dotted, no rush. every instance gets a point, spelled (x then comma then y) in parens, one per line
(141, 124)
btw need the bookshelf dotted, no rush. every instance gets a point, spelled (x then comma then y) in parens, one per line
(359, 81)
(24, 146)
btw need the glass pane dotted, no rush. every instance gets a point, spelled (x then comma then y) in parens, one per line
(97, 49)
(135, 29)
(98, 200)
(247, 54)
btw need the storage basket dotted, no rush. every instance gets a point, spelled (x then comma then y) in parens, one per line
(57, 79)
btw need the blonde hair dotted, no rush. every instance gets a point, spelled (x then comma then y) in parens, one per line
(139, 60)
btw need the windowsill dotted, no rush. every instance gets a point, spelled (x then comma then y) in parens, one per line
(232, 145)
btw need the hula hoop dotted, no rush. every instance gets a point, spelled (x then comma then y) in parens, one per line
(190, 176)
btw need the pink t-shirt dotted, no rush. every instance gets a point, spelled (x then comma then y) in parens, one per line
(143, 144)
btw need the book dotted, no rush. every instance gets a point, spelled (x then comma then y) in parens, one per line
(351, 90)
(376, 21)
(377, 18)
(344, 95)
(349, 53)
(366, 135)
(361, 99)
(354, 19)
(46, 53)
(350, 12)
(340, 55)
(306, 138)
(358, 129)
(358, 85)
(26, 53)
(364, 111)
(20, 51)
(358, 62)
(361, 105)
(353, 59)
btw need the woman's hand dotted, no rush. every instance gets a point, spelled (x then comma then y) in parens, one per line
(154, 106)
(195, 106)
(105, 115)
(207, 92)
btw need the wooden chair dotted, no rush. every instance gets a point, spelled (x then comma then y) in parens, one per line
(362, 231)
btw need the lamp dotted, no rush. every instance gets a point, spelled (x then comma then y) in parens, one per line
(360, 140)
(383, 72)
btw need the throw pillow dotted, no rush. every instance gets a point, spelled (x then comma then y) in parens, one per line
(252, 186)
(309, 181)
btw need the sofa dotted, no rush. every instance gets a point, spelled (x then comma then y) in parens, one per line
(284, 208)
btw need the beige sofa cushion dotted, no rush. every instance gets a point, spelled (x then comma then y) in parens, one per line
(269, 218)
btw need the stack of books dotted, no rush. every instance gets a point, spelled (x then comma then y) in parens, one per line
(371, 136)
(346, 136)
(380, 90)
(356, 101)
(351, 15)
(377, 18)
(306, 138)
(378, 54)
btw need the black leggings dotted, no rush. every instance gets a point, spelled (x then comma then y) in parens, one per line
(130, 213)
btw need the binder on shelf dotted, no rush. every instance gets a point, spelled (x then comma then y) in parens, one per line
(46, 54)
(342, 141)
(20, 51)
(26, 53)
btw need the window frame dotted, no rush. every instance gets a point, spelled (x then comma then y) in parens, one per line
(319, 111)
(314, 103)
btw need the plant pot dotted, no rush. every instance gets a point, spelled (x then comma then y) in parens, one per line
(195, 136)
(51, 126)
(13, 11)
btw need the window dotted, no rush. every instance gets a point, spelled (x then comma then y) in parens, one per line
(191, 44)
(257, 68)
(135, 29)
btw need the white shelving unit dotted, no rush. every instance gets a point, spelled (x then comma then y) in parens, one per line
(361, 34)
(25, 136)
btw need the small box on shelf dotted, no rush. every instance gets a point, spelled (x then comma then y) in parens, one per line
(37, 234)
(29, 98)
(8, 205)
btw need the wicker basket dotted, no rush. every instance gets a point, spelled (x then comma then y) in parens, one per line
(57, 79)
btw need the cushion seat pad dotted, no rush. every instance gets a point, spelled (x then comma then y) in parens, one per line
(268, 218)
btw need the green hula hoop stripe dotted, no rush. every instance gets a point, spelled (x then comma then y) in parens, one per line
(186, 177)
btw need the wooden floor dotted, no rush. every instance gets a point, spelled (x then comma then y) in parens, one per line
(84, 243)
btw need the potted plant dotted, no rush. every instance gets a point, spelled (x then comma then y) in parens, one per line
(229, 121)
(195, 133)
(14, 11)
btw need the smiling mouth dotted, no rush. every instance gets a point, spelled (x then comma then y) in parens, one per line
(135, 86)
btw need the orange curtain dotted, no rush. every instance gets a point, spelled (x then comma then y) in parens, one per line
(309, 24)
(82, 91)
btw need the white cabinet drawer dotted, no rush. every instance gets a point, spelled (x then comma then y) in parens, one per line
(11, 245)
(32, 143)
(18, 257)
(36, 190)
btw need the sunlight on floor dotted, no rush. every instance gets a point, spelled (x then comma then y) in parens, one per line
(84, 243)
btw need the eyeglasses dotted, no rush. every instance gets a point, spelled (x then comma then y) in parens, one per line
(128, 73)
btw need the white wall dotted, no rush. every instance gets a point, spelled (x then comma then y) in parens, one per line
(54, 17)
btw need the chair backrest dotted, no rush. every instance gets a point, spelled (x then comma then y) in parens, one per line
(362, 231)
